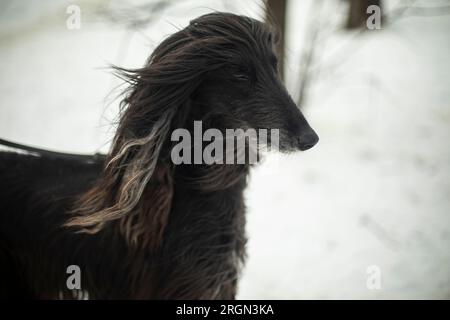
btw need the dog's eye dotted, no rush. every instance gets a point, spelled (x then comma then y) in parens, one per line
(239, 72)
(241, 76)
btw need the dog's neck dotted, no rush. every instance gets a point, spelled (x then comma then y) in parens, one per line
(209, 177)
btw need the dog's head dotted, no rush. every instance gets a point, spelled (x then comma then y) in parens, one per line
(226, 65)
(240, 80)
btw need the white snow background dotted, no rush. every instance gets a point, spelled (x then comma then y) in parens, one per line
(374, 191)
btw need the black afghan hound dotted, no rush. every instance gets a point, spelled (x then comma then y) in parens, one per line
(137, 225)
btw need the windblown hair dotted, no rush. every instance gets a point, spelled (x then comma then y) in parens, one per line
(136, 224)
(159, 91)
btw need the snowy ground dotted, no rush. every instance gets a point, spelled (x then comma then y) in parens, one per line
(374, 192)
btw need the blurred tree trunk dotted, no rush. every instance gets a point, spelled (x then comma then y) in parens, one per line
(357, 15)
(313, 28)
(276, 13)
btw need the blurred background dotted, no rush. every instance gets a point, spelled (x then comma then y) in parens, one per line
(364, 214)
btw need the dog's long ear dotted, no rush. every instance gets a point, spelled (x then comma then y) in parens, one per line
(132, 177)
(136, 184)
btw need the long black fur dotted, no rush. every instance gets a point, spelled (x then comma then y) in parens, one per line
(138, 226)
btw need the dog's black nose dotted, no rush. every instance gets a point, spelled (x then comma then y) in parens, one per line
(308, 140)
